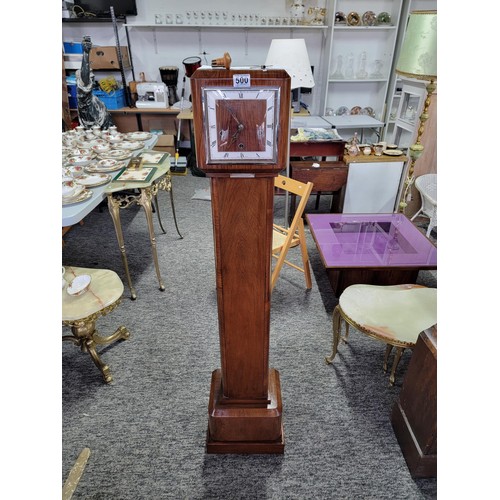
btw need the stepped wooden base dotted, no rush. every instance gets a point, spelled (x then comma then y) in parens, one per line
(245, 428)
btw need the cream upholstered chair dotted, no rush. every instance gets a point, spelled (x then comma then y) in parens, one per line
(294, 235)
(427, 187)
(394, 314)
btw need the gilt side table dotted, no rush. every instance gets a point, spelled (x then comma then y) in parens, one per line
(122, 195)
(81, 312)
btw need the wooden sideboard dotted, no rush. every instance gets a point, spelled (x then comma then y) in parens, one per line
(329, 177)
(414, 415)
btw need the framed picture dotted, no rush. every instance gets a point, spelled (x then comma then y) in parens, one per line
(143, 174)
(153, 157)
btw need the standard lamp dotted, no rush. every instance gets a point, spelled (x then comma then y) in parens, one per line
(291, 55)
(418, 59)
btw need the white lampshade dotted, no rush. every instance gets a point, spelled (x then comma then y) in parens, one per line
(291, 55)
(418, 58)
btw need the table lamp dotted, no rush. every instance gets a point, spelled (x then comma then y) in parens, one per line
(418, 59)
(291, 55)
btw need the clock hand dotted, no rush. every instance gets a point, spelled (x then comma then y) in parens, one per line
(232, 113)
(237, 133)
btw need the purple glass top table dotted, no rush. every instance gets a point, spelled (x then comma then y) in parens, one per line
(379, 249)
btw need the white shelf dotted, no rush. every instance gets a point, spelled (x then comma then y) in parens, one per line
(226, 26)
(349, 46)
(357, 80)
(353, 121)
(341, 27)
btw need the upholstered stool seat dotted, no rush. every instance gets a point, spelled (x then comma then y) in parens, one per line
(393, 314)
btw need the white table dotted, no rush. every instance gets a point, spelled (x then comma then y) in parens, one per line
(121, 195)
(354, 122)
(309, 122)
(72, 214)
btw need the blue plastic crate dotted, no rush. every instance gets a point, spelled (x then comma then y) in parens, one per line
(113, 100)
(73, 101)
(73, 48)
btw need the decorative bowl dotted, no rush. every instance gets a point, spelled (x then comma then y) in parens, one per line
(101, 148)
(107, 163)
(79, 161)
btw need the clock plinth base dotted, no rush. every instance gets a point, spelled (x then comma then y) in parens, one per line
(244, 429)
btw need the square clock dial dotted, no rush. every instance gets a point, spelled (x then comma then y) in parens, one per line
(241, 124)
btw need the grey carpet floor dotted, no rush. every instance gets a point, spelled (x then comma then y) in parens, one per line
(146, 430)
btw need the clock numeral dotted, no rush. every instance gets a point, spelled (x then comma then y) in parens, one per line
(270, 108)
(224, 94)
(242, 155)
(258, 155)
(226, 155)
(212, 126)
(213, 144)
(270, 125)
(211, 107)
(240, 95)
(269, 143)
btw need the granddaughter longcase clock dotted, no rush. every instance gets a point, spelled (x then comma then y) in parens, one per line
(241, 123)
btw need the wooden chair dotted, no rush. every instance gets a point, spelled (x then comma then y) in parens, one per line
(294, 235)
(393, 314)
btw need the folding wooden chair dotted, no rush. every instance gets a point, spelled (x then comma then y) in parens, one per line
(294, 235)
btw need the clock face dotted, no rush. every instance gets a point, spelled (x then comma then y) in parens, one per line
(241, 124)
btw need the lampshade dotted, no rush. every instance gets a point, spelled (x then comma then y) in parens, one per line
(291, 55)
(418, 58)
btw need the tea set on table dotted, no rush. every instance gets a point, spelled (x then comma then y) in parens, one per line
(89, 156)
(353, 148)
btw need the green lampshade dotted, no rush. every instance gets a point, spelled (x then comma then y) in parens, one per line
(418, 58)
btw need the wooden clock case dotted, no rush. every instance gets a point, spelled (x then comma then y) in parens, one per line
(245, 406)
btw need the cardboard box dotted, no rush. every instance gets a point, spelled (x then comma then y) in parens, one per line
(107, 57)
(166, 144)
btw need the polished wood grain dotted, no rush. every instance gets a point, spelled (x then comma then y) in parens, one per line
(318, 148)
(414, 415)
(224, 78)
(340, 279)
(245, 408)
(329, 177)
(242, 238)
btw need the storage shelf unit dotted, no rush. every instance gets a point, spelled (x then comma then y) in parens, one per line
(364, 84)
(72, 63)
(396, 83)
(325, 43)
(225, 26)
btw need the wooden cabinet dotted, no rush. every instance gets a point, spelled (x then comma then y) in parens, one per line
(329, 177)
(414, 416)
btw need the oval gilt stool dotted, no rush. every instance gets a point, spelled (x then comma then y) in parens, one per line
(81, 312)
(393, 314)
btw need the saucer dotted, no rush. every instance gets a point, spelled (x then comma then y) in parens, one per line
(79, 285)
(93, 179)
